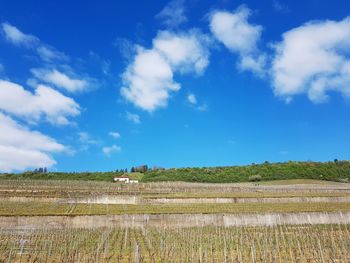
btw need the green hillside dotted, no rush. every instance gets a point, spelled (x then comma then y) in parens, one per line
(331, 171)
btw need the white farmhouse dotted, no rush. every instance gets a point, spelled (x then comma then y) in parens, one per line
(122, 179)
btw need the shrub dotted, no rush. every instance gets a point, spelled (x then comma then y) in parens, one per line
(255, 178)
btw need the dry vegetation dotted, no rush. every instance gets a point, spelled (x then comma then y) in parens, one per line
(27, 199)
(305, 243)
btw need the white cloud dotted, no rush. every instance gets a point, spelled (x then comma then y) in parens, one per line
(108, 150)
(45, 52)
(49, 54)
(60, 79)
(255, 64)
(173, 14)
(86, 138)
(14, 99)
(149, 87)
(280, 7)
(234, 30)
(133, 117)
(238, 35)
(15, 36)
(191, 98)
(186, 52)
(21, 148)
(203, 107)
(313, 59)
(115, 135)
(64, 78)
(126, 48)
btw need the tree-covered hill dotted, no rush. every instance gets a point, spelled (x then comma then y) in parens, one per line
(332, 171)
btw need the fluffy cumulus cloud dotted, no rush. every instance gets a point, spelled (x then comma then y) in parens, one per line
(173, 14)
(146, 86)
(149, 87)
(235, 32)
(60, 79)
(185, 52)
(108, 150)
(44, 102)
(21, 148)
(313, 59)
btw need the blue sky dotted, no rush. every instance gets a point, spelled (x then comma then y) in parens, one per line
(99, 87)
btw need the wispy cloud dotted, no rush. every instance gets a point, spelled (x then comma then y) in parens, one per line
(126, 48)
(115, 135)
(54, 69)
(173, 14)
(44, 51)
(108, 150)
(202, 107)
(191, 98)
(50, 54)
(17, 37)
(280, 7)
(86, 138)
(133, 117)
(60, 80)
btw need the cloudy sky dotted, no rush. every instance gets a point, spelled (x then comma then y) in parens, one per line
(107, 85)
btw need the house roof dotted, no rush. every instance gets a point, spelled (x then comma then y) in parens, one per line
(123, 176)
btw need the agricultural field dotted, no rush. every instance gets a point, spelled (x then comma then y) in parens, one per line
(297, 220)
(305, 243)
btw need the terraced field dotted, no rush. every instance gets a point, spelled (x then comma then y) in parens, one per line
(306, 243)
(61, 221)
